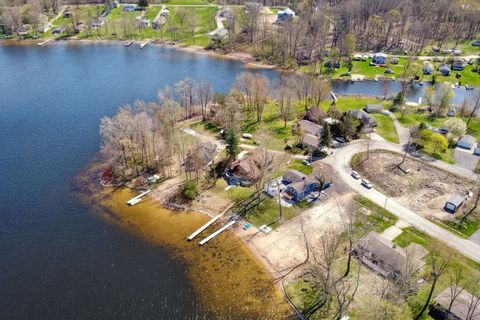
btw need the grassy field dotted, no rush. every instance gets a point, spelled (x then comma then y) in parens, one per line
(468, 76)
(347, 103)
(469, 269)
(378, 218)
(268, 213)
(386, 129)
(188, 2)
(298, 165)
(124, 25)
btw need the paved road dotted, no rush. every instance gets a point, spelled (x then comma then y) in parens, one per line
(340, 161)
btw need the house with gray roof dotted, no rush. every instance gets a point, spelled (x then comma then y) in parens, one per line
(379, 58)
(455, 304)
(299, 185)
(310, 127)
(387, 259)
(310, 141)
(374, 108)
(477, 150)
(368, 122)
(467, 142)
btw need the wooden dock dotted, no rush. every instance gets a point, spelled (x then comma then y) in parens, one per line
(138, 198)
(333, 96)
(40, 44)
(216, 233)
(142, 45)
(128, 44)
(205, 226)
(209, 223)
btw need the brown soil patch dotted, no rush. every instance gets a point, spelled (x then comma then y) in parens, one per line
(423, 190)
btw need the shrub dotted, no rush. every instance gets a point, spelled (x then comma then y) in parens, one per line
(190, 189)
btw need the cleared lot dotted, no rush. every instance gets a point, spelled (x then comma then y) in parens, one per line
(424, 189)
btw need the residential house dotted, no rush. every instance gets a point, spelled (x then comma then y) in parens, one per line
(129, 8)
(368, 122)
(286, 14)
(143, 23)
(116, 4)
(59, 30)
(310, 127)
(467, 142)
(316, 115)
(444, 69)
(460, 307)
(159, 22)
(427, 68)
(310, 141)
(220, 34)
(200, 157)
(458, 65)
(374, 108)
(457, 52)
(299, 185)
(388, 259)
(443, 130)
(454, 203)
(98, 22)
(246, 170)
(24, 30)
(226, 13)
(379, 58)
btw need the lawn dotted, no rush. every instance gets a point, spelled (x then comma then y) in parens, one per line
(378, 218)
(268, 213)
(184, 2)
(385, 128)
(123, 25)
(298, 165)
(470, 270)
(347, 103)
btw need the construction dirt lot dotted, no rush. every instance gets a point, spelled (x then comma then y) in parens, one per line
(424, 189)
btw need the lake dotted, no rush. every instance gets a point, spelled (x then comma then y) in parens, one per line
(59, 259)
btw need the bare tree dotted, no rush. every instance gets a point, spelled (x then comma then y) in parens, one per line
(185, 89)
(438, 266)
(204, 93)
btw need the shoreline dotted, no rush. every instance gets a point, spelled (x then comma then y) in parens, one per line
(243, 57)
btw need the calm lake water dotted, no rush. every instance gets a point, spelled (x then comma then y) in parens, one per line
(59, 260)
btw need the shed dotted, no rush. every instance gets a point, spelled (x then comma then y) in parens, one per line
(466, 142)
(374, 108)
(454, 203)
(379, 58)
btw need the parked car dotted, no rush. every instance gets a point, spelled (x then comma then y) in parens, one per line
(340, 139)
(355, 175)
(367, 184)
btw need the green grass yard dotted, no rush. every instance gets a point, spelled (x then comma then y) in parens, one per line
(386, 128)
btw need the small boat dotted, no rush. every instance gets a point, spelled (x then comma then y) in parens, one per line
(376, 79)
(421, 83)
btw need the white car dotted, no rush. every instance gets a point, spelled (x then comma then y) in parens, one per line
(355, 175)
(367, 184)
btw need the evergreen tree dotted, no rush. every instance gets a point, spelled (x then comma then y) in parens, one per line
(231, 139)
(143, 3)
(326, 139)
